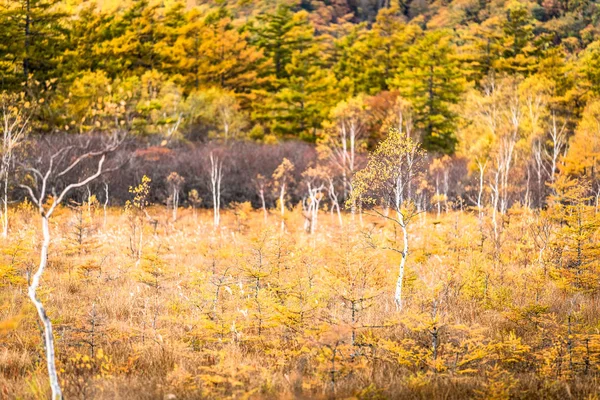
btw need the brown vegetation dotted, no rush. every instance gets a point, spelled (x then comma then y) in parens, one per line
(247, 310)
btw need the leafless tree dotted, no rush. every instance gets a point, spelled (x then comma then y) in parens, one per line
(216, 176)
(558, 136)
(175, 182)
(105, 204)
(315, 179)
(335, 203)
(14, 120)
(261, 183)
(282, 176)
(45, 182)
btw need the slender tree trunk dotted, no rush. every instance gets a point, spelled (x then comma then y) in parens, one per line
(400, 281)
(437, 195)
(282, 205)
(105, 202)
(175, 203)
(263, 204)
(4, 215)
(47, 324)
(216, 177)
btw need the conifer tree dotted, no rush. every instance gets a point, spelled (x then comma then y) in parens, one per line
(519, 44)
(272, 35)
(227, 59)
(308, 91)
(576, 264)
(132, 37)
(32, 40)
(432, 81)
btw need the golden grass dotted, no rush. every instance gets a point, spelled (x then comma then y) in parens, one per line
(246, 311)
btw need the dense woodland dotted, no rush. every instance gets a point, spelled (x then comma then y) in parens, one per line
(299, 199)
(468, 79)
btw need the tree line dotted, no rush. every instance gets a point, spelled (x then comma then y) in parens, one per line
(182, 71)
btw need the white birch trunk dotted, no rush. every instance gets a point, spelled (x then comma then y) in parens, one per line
(47, 324)
(400, 281)
(282, 205)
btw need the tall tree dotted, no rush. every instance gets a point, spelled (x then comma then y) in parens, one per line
(385, 181)
(272, 35)
(371, 58)
(432, 81)
(520, 45)
(130, 47)
(227, 59)
(308, 91)
(32, 37)
(583, 156)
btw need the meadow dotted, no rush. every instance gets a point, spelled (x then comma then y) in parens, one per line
(156, 308)
(308, 199)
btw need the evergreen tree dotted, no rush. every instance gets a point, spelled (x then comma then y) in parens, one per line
(371, 58)
(308, 92)
(32, 40)
(481, 49)
(86, 33)
(227, 59)
(272, 35)
(576, 264)
(130, 47)
(589, 68)
(520, 46)
(174, 20)
(432, 81)
(184, 57)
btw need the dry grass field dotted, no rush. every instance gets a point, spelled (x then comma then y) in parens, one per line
(187, 311)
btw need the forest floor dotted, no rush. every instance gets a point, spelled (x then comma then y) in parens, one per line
(163, 309)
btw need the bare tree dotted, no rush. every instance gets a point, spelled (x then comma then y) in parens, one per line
(175, 182)
(216, 176)
(498, 113)
(558, 136)
(282, 177)
(105, 204)
(335, 203)
(349, 119)
(261, 183)
(14, 120)
(315, 183)
(45, 186)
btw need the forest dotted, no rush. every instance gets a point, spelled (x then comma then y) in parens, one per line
(340, 199)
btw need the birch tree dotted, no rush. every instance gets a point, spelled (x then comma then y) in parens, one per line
(282, 178)
(260, 183)
(348, 120)
(395, 163)
(334, 199)
(44, 182)
(535, 94)
(476, 145)
(175, 182)
(558, 142)
(315, 179)
(14, 121)
(216, 176)
(497, 115)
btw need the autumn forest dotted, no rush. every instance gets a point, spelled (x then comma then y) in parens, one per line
(299, 199)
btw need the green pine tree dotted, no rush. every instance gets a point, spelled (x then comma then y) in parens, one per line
(431, 79)
(308, 92)
(32, 40)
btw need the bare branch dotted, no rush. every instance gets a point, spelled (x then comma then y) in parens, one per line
(77, 185)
